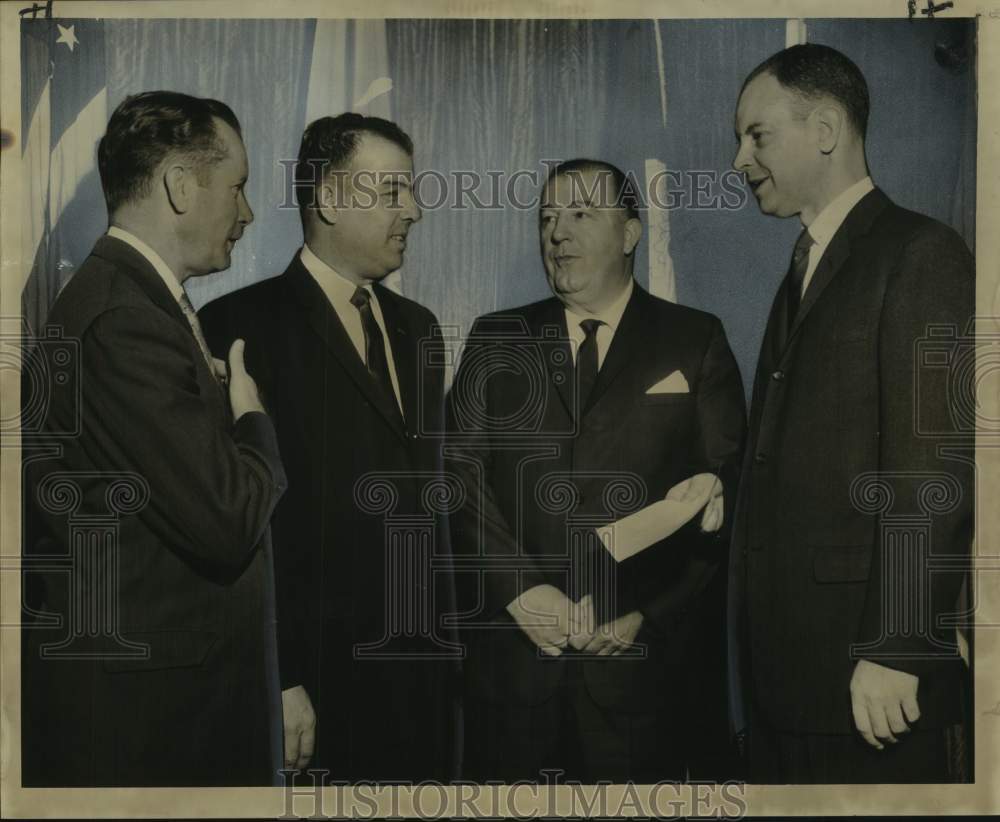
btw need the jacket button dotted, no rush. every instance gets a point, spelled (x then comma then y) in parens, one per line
(760, 459)
(778, 376)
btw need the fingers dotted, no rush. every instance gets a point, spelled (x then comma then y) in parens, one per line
(236, 357)
(292, 748)
(863, 723)
(219, 366)
(307, 742)
(582, 615)
(880, 724)
(711, 519)
(698, 487)
(549, 648)
(911, 708)
(894, 716)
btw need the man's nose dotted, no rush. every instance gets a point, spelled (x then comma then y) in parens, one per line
(246, 213)
(560, 230)
(741, 162)
(411, 211)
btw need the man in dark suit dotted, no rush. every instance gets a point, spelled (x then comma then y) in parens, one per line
(568, 414)
(365, 664)
(857, 488)
(149, 645)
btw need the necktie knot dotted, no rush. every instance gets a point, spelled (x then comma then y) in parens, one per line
(802, 246)
(360, 298)
(590, 327)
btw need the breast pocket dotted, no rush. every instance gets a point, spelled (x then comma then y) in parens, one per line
(678, 400)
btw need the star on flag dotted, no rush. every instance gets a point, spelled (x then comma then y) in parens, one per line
(67, 36)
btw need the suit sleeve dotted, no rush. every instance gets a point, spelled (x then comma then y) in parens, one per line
(933, 283)
(212, 487)
(718, 449)
(479, 527)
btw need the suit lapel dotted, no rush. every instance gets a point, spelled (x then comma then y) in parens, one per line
(558, 356)
(857, 223)
(135, 266)
(626, 344)
(323, 319)
(142, 273)
(404, 354)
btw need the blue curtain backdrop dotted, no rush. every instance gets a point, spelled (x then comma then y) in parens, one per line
(499, 95)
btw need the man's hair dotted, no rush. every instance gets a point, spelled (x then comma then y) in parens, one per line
(329, 144)
(813, 71)
(622, 192)
(147, 128)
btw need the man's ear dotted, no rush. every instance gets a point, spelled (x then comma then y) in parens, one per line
(633, 231)
(327, 202)
(177, 182)
(829, 121)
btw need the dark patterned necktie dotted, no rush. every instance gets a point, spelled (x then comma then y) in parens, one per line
(586, 360)
(375, 357)
(797, 275)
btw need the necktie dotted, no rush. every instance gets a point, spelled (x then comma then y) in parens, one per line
(586, 360)
(800, 263)
(192, 318)
(375, 357)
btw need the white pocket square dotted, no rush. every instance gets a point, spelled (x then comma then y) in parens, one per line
(673, 383)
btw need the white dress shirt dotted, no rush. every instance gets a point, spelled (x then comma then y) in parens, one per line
(610, 317)
(153, 259)
(829, 220)
(339, 290)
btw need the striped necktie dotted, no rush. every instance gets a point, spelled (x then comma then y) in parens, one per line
(192, 318)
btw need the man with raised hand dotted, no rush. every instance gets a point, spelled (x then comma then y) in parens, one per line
(169, 675)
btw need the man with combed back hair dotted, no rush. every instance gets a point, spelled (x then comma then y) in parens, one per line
(169, 675)
(565, 414)
(367, 671)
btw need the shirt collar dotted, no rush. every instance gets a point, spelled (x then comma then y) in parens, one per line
(335, 284)
(154, 259)
(610, 316)
(830, 218)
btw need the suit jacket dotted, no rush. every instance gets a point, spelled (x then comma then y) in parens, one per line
(149, 654)
(847, 499)
(539, 473)
(358, 538)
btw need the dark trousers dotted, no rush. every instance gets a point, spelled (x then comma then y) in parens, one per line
(574, 735)
(779, 757)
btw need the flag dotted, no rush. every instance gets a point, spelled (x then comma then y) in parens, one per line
(662, 279)
(349, 71)
(64, 113)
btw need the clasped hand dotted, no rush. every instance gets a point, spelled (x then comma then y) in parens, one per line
(553, 622)
(883, 700)
(702, 486)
